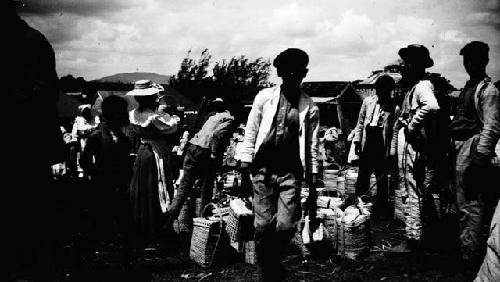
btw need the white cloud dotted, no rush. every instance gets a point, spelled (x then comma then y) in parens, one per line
(454, 36)
(345, 39)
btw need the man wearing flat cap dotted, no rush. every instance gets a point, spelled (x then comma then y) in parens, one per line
(281, 145)
(418, 165)
(475, 130)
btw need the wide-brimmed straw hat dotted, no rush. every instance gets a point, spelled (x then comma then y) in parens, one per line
(416, 53)
(145, 88)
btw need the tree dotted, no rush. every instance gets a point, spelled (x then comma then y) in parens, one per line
(241, 78)
(192, 78)
(234, 80)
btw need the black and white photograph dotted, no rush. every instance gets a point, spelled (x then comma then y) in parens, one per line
(257, 140)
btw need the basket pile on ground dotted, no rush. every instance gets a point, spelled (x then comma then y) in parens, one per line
(353, 232)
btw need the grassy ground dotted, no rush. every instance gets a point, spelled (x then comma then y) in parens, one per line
(98, 262)
(172, 263)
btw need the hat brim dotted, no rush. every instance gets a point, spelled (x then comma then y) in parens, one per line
(406, 55)
(143, 92)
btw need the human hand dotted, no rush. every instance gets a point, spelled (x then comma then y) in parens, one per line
(357, 148)
(415, 138)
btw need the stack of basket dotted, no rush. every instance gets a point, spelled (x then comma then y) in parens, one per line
(350, 182)
(330, 179)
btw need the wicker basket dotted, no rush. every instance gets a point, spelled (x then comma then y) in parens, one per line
(331, 226)
(250, 254)
(206, 237)
(240, 227)
(330, 179)
(184, 223)
(350, 182)
(353, 239)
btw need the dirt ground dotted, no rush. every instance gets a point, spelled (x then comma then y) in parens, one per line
(84, 261)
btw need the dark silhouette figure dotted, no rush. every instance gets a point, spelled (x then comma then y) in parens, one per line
(35, 143)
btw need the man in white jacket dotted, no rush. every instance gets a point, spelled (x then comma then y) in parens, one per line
(281, 147)
(417, 152)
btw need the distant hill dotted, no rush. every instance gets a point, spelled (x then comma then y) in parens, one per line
(134, 76)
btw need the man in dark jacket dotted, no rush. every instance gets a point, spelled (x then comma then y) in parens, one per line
(34, 145)
(475, 130)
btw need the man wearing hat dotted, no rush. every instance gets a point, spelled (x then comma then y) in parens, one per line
(475, 130)
(418, 163)
(281, 145)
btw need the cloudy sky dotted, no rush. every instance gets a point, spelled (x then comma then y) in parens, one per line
(346, 40)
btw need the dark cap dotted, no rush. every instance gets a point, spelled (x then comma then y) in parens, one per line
(291, 58)
(416, 53)
(385, 82)
(476, 48)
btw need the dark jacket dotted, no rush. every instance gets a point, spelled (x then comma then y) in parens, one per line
(106, 159)
(32, 94)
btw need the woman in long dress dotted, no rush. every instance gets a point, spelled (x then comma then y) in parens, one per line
(151, 188)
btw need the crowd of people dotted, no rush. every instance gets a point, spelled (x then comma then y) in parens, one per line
(128, 156)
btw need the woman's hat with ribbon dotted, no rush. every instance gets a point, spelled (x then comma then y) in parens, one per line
(145, 88)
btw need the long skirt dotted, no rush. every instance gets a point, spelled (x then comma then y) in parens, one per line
(145, 194)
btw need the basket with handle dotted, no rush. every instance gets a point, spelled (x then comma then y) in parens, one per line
(240, 226)
(207, 233)
(250, 254)
(184, 223)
